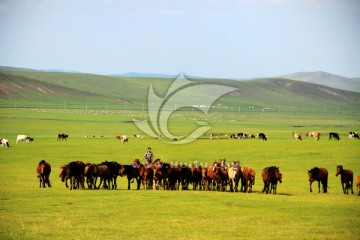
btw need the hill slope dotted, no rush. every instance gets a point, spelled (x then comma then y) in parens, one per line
(98, 89)
(326, 79)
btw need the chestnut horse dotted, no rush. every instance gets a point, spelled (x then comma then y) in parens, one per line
(270, 176)
(248, 179)
(43, 170)
(222, 175)
(358, 184)
(320, 175)
(347, 179)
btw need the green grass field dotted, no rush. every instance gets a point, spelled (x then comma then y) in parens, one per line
(28, 212)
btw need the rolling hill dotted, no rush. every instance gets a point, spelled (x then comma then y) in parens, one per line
(74, 88)
(326, 79)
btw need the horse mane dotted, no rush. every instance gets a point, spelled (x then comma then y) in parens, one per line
(42, 162)
(315, 170)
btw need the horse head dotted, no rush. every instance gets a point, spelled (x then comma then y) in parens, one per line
(339, 169)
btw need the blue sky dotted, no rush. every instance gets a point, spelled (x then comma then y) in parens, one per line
(213, 38)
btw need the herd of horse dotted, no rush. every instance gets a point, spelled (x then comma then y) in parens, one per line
(160, 175)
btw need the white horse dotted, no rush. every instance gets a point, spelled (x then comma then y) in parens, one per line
(4, 142)
(235, 174)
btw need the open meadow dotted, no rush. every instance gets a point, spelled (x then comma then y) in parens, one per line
(30, 212)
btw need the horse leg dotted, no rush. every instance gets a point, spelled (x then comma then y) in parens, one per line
(129, 183)
(310, 187)
(319, 186)
(351, 185)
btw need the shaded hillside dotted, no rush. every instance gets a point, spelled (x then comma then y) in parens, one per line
(12, 86)
(326, 79)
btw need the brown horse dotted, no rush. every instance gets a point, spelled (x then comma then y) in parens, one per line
(196, 176)
(222, 175)
(347, 179)
(271, 175)
(43, 170)
(320, 175)
(130, 172)
(210, 177)
(148, 176)
(248, 179)
(358, 184)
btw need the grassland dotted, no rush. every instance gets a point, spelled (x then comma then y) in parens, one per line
(28, 212)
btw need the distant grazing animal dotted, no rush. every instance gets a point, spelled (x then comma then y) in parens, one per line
(320, 175)
(271, 175)
(315, 135)
(358, 184)
(248, 179)
(21, 138)
(4, 142)
(43, 170)
(29, 139)
(262, 136)
(297, 136)
(353, 135)
(62, 136)
(333, 135)
(124, 138)
(347, 179)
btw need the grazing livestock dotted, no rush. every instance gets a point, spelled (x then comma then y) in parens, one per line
(43, 170)
(358, 184)
(75, 172)
(315, 135)
(262, 136)
(21, 138)
(297, 136)
(248, 179)
(4, 142)
(123, 138)
(353, 135)
(62, 136)
(320, 175)
(347, 179)
(333, 135)
(271, 175)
